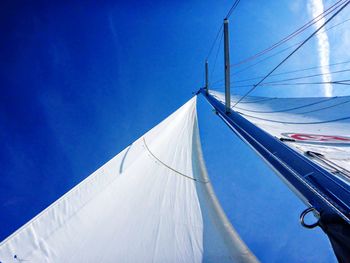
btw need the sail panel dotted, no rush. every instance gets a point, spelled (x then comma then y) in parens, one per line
(150, 203)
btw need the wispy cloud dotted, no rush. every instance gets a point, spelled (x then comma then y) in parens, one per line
(315, 8)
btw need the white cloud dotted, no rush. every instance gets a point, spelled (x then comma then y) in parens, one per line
(316, 8)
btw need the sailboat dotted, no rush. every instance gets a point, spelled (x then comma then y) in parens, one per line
(154, 201)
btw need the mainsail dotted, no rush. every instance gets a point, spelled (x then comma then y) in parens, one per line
(153, 202)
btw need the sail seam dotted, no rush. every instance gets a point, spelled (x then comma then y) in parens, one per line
(169, 167)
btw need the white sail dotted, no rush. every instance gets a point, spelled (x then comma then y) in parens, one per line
(318, 128)
(153, 202)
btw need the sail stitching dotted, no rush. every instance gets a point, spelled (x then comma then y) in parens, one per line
(169, 167)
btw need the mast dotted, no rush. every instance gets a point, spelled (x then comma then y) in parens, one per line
(227, 68)
(206, 76)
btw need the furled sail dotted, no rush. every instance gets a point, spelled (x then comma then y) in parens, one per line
(153, 202)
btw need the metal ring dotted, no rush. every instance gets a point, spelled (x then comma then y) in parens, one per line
(302, 216)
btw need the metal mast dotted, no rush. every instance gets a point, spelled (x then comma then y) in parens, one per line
(227, 68)
(206, 77)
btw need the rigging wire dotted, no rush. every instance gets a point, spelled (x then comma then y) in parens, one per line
(320, 109)
(233, 7)
(289, 122)
(289, 109)
(260, 61)
(217, 54)
(280, 82)
(281, 51)
(294, 51)
(306, 77)
(303, 106)
(280, 120)
(345, 82)
(214, 42)
(294, 71)
(296, 78)
(293, 34)
(294, 108)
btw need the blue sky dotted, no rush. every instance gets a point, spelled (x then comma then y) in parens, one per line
(82, 80)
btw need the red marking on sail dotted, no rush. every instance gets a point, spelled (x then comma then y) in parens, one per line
(318, 137)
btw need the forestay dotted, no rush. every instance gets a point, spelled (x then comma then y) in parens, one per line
(318, 128)
(153, 202)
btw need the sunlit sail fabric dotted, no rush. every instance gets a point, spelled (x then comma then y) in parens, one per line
(153, 202)
(318, 128)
